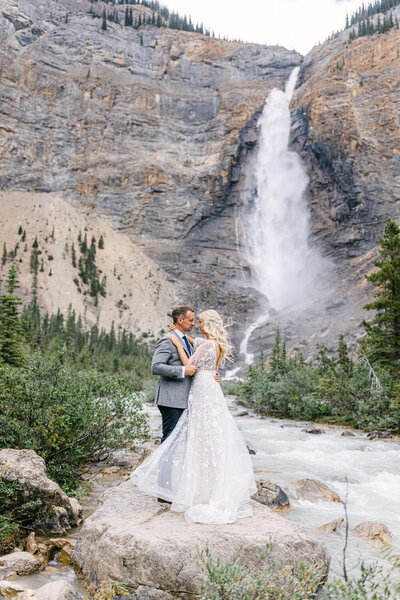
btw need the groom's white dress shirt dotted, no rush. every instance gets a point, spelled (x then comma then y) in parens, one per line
(183, 344)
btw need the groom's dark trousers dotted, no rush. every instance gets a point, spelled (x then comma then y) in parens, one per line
(170, 416)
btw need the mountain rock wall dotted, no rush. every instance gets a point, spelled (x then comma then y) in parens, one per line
(154, 130)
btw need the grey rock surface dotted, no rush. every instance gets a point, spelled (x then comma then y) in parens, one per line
(315, 491)
(155, 131)
(57, 590)
(9, 590)
(271, 495)
(378, 533)
(54, 512)
(155, 552)
(21, 563)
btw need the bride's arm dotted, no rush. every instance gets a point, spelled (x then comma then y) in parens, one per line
(173, 326)
(179, 347)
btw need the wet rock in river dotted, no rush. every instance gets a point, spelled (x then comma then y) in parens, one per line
(330, 527)
(5, 572)
(251, 449)
(315, 491)
(376, 435)
(271, 495)
(377, 533)
(21, 563)
(57, 590)
(9, 589)
(313, 429)
(348, 433)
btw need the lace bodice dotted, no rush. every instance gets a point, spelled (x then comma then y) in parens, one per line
(205, 354)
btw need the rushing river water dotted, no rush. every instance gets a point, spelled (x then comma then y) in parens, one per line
(285, 454)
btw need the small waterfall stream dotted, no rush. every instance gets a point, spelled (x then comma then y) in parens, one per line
(287, 270)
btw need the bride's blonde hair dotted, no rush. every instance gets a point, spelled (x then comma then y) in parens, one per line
(214, 326)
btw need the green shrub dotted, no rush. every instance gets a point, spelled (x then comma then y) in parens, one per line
(68, 417)
(373, 584)
(230, 388)
(9, 535)
(334, 388)
(265, 580)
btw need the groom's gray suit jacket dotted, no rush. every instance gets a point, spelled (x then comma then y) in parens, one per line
(172, 389)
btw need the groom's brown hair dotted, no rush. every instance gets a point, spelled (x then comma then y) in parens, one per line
(181, 311)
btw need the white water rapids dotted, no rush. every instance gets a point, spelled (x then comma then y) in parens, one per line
(286, 454)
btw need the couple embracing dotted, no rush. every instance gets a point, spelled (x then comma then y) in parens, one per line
(202, 466)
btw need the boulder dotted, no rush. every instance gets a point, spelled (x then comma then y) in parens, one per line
(57, 590)
(271, 495)
(9, 589)
(154, 551)
(251, 449)
(315, 491)
(313, 429)
(50, 508)
(30, 543)
(330, 527)
(21, 563)
(27, 595)
(49, 548)
(379, 435)
(5, 572)
(376, 532)
(348, 433)
(65, 554)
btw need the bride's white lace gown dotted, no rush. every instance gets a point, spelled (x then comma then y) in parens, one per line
(203, 467)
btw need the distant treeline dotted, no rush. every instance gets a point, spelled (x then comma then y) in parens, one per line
(364, 23)
(160, 17)
(374, 8)
(367, 26)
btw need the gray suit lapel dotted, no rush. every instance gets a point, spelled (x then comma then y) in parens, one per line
(182, 342)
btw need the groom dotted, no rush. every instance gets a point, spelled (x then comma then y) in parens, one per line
(174, 381)
(173, 385)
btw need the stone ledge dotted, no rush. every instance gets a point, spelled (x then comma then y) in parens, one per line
(131, 539)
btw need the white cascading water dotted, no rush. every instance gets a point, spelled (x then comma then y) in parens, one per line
(287, 270)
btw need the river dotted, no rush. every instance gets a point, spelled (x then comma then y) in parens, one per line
(285, 454)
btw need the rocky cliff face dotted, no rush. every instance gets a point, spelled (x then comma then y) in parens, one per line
(153, 131)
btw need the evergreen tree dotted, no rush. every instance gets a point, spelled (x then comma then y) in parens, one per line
(101, 243)
(4, 257)
(383, 332)
(11, 334)
(73, 255)
(104, 23)
(278, 355)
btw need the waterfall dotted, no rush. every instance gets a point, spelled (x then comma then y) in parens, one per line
(286, 268)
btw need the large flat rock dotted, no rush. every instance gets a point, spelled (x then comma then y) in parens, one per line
(134, 539)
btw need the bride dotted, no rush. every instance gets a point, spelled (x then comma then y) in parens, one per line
(203, 468)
